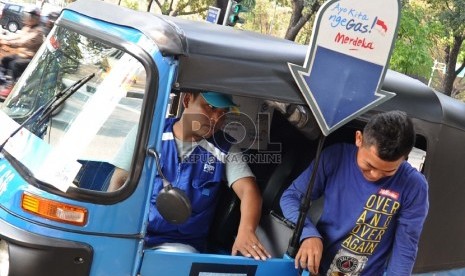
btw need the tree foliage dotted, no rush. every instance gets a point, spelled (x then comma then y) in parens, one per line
(302, 12)
(416, 39)
(268, 17)
(425, 27)
(181, 7)
(451, 13)
(134, 5)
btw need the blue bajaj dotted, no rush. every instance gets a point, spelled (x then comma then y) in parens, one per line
(105, 73)
(96, 78)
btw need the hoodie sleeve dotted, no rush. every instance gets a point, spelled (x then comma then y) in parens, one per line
(409, 227)
(292, 197)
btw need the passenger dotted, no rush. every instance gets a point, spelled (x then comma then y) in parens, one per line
(195, 156)
(26, 41)
(375, 203)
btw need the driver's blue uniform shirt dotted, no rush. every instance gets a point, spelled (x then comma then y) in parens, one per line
(199, 175)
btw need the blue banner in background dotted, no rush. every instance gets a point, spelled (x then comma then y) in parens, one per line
(213, 14)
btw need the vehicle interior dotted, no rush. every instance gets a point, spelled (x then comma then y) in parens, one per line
(297, 148)
(283, 151)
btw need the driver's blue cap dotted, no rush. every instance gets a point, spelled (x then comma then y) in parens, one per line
(219, 100)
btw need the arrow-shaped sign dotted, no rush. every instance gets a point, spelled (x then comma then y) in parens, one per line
(346, 62)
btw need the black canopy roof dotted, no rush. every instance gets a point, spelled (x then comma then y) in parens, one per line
(224, 59)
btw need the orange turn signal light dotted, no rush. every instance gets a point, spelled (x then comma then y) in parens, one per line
(54, 210)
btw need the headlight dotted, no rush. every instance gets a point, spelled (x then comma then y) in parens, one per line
(4, 258)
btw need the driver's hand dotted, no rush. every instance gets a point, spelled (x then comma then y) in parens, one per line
(248, 245)
(309, 255)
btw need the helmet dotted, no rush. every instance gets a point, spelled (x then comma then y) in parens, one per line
(53, 15)
(32, 10)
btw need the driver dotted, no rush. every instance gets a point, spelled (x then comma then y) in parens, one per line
(195, 155)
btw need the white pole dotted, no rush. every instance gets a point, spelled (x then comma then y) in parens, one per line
(226, 14)
(274, 14)
(436, 66)
(432, 72)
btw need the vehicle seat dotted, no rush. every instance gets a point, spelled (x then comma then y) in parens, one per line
(94, 175)
(298, 152)
(295, 153)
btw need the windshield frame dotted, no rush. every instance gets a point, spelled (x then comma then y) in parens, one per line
(147, 110)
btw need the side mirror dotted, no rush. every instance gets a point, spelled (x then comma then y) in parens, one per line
(172, 203)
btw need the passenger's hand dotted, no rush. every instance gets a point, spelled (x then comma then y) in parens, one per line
(248, 245)
(309, 255)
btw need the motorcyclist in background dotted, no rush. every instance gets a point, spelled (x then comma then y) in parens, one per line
(25, 42)
(50, 22)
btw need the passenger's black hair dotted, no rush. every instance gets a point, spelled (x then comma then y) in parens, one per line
(392, 134)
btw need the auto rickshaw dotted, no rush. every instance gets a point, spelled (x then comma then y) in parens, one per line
(105, 70)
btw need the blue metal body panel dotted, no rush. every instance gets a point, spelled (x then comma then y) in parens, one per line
(168, 263)
(113, 254)
(452, 272)
(128, 34)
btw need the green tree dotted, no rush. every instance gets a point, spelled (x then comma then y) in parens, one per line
(268, 17)
(181, 7)
(134, 5)
(302, 12)
(414, 45)
(451, 13)
(260, 19)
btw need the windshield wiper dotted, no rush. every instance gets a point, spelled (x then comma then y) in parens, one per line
(44, 111)
(62, 96)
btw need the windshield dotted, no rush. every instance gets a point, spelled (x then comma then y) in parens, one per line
(92, 122)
